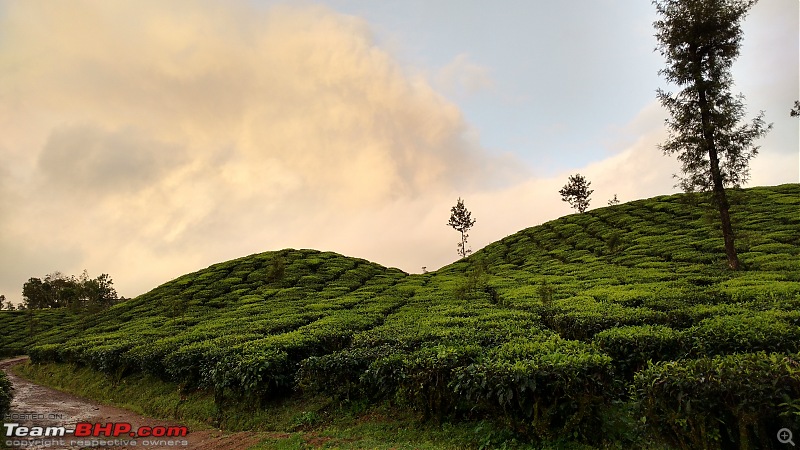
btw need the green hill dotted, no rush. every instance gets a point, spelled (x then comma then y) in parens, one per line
(547, 331)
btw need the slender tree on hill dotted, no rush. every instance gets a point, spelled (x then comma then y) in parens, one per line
(700, 39)
(461, 220)
(576, 192)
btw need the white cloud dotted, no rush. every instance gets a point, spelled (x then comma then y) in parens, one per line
(771, 168)
(462, 76)
(148, 139)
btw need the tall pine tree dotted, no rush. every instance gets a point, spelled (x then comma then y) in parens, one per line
(700, 39)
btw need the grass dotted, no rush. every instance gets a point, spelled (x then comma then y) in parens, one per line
(139, 393)
(292, 423)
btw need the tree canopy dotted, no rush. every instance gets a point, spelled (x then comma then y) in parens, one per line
(576, 192)
(57, 290)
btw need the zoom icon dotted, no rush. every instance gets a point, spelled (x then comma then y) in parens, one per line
(785, 436)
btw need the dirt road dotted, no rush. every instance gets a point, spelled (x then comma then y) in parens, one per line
(38, 406)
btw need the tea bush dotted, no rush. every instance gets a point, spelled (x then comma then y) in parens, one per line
(731, 401)
(631, 348)
(6, 394)
(743, 333)
(547, 387)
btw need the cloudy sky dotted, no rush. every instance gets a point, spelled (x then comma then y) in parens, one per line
(149, 139)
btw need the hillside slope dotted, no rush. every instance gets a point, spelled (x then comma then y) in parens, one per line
(544, 329)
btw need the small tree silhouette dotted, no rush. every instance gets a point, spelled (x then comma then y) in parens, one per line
(577, 192)
(461, 221)
(613, 201)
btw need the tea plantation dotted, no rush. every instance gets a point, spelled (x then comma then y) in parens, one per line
(618, 326)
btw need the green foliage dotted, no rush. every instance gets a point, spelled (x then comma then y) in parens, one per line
(577, 193)
(731, 401)
(461, 220)
(421, 379)
(78, 293)
(6, 394)
(22, 329)
(276, 271)
(305, 419)
(632, 347)
(581, 318)
(339, 373)
(540, 334)
(547, 387)
(613, 242)
(474, 284)
(700, 40)
(750, 332)
(545, 292)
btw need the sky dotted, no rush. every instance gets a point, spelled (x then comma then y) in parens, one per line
(148, 139)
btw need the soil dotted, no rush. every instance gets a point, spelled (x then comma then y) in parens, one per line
(36, 405)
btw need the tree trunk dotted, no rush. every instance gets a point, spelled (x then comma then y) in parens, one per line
(727, 229)
(716, 177)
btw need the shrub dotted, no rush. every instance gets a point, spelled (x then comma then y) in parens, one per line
(108, 357)
(339, 373)
(546, 387)
(584, 319)
(422, 379)
(250, 372)
(46, 353)
(6, 394)
(751, 332)
(731, 401)
(632, 347)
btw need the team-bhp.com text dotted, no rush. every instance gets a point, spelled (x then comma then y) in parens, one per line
(122, 430)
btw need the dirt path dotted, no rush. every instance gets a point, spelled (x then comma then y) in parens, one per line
(39, 406)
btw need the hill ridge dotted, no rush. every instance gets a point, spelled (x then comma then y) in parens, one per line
(589, 298)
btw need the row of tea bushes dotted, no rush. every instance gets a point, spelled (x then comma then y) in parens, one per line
(633, 346)
(540, 384)
(730, 401)
(22, 329)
